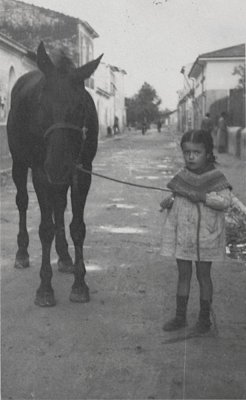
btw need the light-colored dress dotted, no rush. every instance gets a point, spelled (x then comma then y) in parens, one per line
(180, 227)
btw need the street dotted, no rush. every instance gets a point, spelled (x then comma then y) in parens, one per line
(114, 347)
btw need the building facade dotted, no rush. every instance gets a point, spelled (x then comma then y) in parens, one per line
(118, 96)
(16, 60)
(110, 97)
(211, 86)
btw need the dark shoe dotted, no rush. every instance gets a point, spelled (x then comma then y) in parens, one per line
(202, 326)
(175, 324)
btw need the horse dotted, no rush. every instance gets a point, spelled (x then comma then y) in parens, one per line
(52, 129)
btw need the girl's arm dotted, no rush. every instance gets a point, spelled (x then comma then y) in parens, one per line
(219, 200)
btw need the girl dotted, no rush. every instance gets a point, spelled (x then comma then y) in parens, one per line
(194, 228)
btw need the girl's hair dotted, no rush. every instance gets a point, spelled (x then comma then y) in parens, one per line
(200, 136)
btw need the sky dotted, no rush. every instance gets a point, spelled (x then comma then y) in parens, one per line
(152, 39)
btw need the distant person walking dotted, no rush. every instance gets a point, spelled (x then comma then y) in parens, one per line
(116, 126)
(144, 126)
(207, 123)
(222, 133)
(159, 125)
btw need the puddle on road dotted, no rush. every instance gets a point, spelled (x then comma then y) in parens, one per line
(140, 214)
(124, 265)
(166, 159)
(152, 177)
(164, 166)
(93, 267)
(169, 173)
(147, 177)
(146, 167)
(115, 229)
(120, 205)
(118, 199)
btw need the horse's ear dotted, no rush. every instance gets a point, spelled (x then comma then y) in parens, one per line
(43, 60)
(86, 70)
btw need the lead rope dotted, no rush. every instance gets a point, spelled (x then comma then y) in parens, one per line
(81, 168)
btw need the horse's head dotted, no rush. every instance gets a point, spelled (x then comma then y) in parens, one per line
(63, 112)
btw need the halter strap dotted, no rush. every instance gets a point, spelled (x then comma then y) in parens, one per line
(63, 125)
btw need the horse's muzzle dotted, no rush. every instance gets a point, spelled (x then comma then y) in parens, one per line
(62, 176)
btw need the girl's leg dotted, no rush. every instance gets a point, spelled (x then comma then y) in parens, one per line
(203, 273)
(183, 290)
(184, 278)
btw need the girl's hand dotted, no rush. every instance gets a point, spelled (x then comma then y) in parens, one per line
(167, 203)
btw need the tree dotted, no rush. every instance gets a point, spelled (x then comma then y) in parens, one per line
(240, 71)
(143, 106)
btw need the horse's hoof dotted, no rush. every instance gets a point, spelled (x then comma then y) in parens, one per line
(80, 295)
(45, 299)
(65, 267)
(22, 263)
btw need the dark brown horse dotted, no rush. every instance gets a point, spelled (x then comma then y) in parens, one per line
(52, 127)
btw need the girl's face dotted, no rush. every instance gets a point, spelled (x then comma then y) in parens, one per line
(195, 155)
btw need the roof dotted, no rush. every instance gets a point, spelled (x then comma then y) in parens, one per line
(93, 33)
(88, 27)
(227, 53)
(20, 8)
(17, 46)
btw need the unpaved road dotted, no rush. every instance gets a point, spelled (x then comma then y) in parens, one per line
(114, 346)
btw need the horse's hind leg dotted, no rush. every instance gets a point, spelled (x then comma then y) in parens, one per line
(19, 174)
(65, 262)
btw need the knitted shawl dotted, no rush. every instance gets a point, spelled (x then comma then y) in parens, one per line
(186, 181)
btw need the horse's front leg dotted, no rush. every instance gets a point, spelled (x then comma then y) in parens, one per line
(65, 262)
(79, 191)
(19, 174)
(45, 293)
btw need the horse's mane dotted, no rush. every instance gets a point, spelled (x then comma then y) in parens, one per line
(62, 62)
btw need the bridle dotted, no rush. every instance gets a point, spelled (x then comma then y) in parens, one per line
(69, 126)
(65, 125)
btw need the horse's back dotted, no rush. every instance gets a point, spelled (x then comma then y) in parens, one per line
(24, 97)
